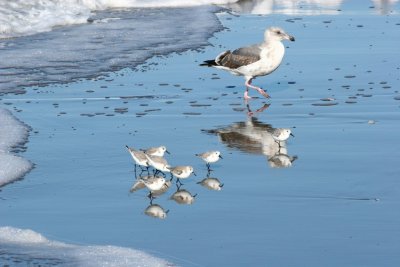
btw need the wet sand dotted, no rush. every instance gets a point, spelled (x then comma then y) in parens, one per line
(327, 198)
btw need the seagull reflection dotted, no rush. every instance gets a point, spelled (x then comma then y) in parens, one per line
(251, 113)
(211, 183)
(156, 211)
(182, 196)
(384, 7)
(252, 137)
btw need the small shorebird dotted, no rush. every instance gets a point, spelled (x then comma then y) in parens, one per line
(182, 172)
(281, 134)
(153, 183)
(139, 157)
(210, 157)
(158, 163)
(139, 184)
(255, 60)
(156, 151)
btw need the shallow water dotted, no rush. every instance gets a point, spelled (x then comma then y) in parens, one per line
(334, 205)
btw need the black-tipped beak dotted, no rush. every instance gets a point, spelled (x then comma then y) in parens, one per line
(222, 185)
(166, 151)
(291, 38)
(127, 147)
(220, 157)
(292, 134)
(194, 173)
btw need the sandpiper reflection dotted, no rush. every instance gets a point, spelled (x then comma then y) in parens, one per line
(156, 211)
(211, 183)
(183, 196)
(255, 137)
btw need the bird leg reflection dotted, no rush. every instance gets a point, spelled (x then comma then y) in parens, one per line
(178, 181)
(178, 186)
(151, 197)
(250, 113)
(208, 167)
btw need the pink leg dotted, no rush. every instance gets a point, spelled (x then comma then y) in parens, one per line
(261, 91)
(246, 94)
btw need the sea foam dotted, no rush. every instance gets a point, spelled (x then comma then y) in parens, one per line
(115, 39)
(20, 17)
(12, 133)
(24, 247)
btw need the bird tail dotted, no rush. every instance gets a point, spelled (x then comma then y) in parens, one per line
(209, 63)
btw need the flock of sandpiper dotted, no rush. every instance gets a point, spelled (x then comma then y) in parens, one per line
(154, 166)
(152, 162)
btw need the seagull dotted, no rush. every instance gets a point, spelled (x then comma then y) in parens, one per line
(255, 60)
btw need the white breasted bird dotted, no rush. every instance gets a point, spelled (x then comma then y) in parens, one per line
(158, 163)
(156, 151)
(138, 156)
(254, 60)
(182, 172)
(210, 157)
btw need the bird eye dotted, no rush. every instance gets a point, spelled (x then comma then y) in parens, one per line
(278, 32)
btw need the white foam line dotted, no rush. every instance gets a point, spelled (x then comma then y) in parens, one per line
(28, 246)
(62, 99)
(12, 133)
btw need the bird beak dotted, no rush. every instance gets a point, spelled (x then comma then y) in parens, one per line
(166, 151)
(290, 38)
(292, 134)
(194, 173)
(220, 157)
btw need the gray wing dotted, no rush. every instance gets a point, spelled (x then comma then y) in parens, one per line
(253, 50)
(240, 57)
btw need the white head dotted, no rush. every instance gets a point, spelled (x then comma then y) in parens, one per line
(163, 150)
(276, 34)
(162, 180)
(286, 133)
(217, 154)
